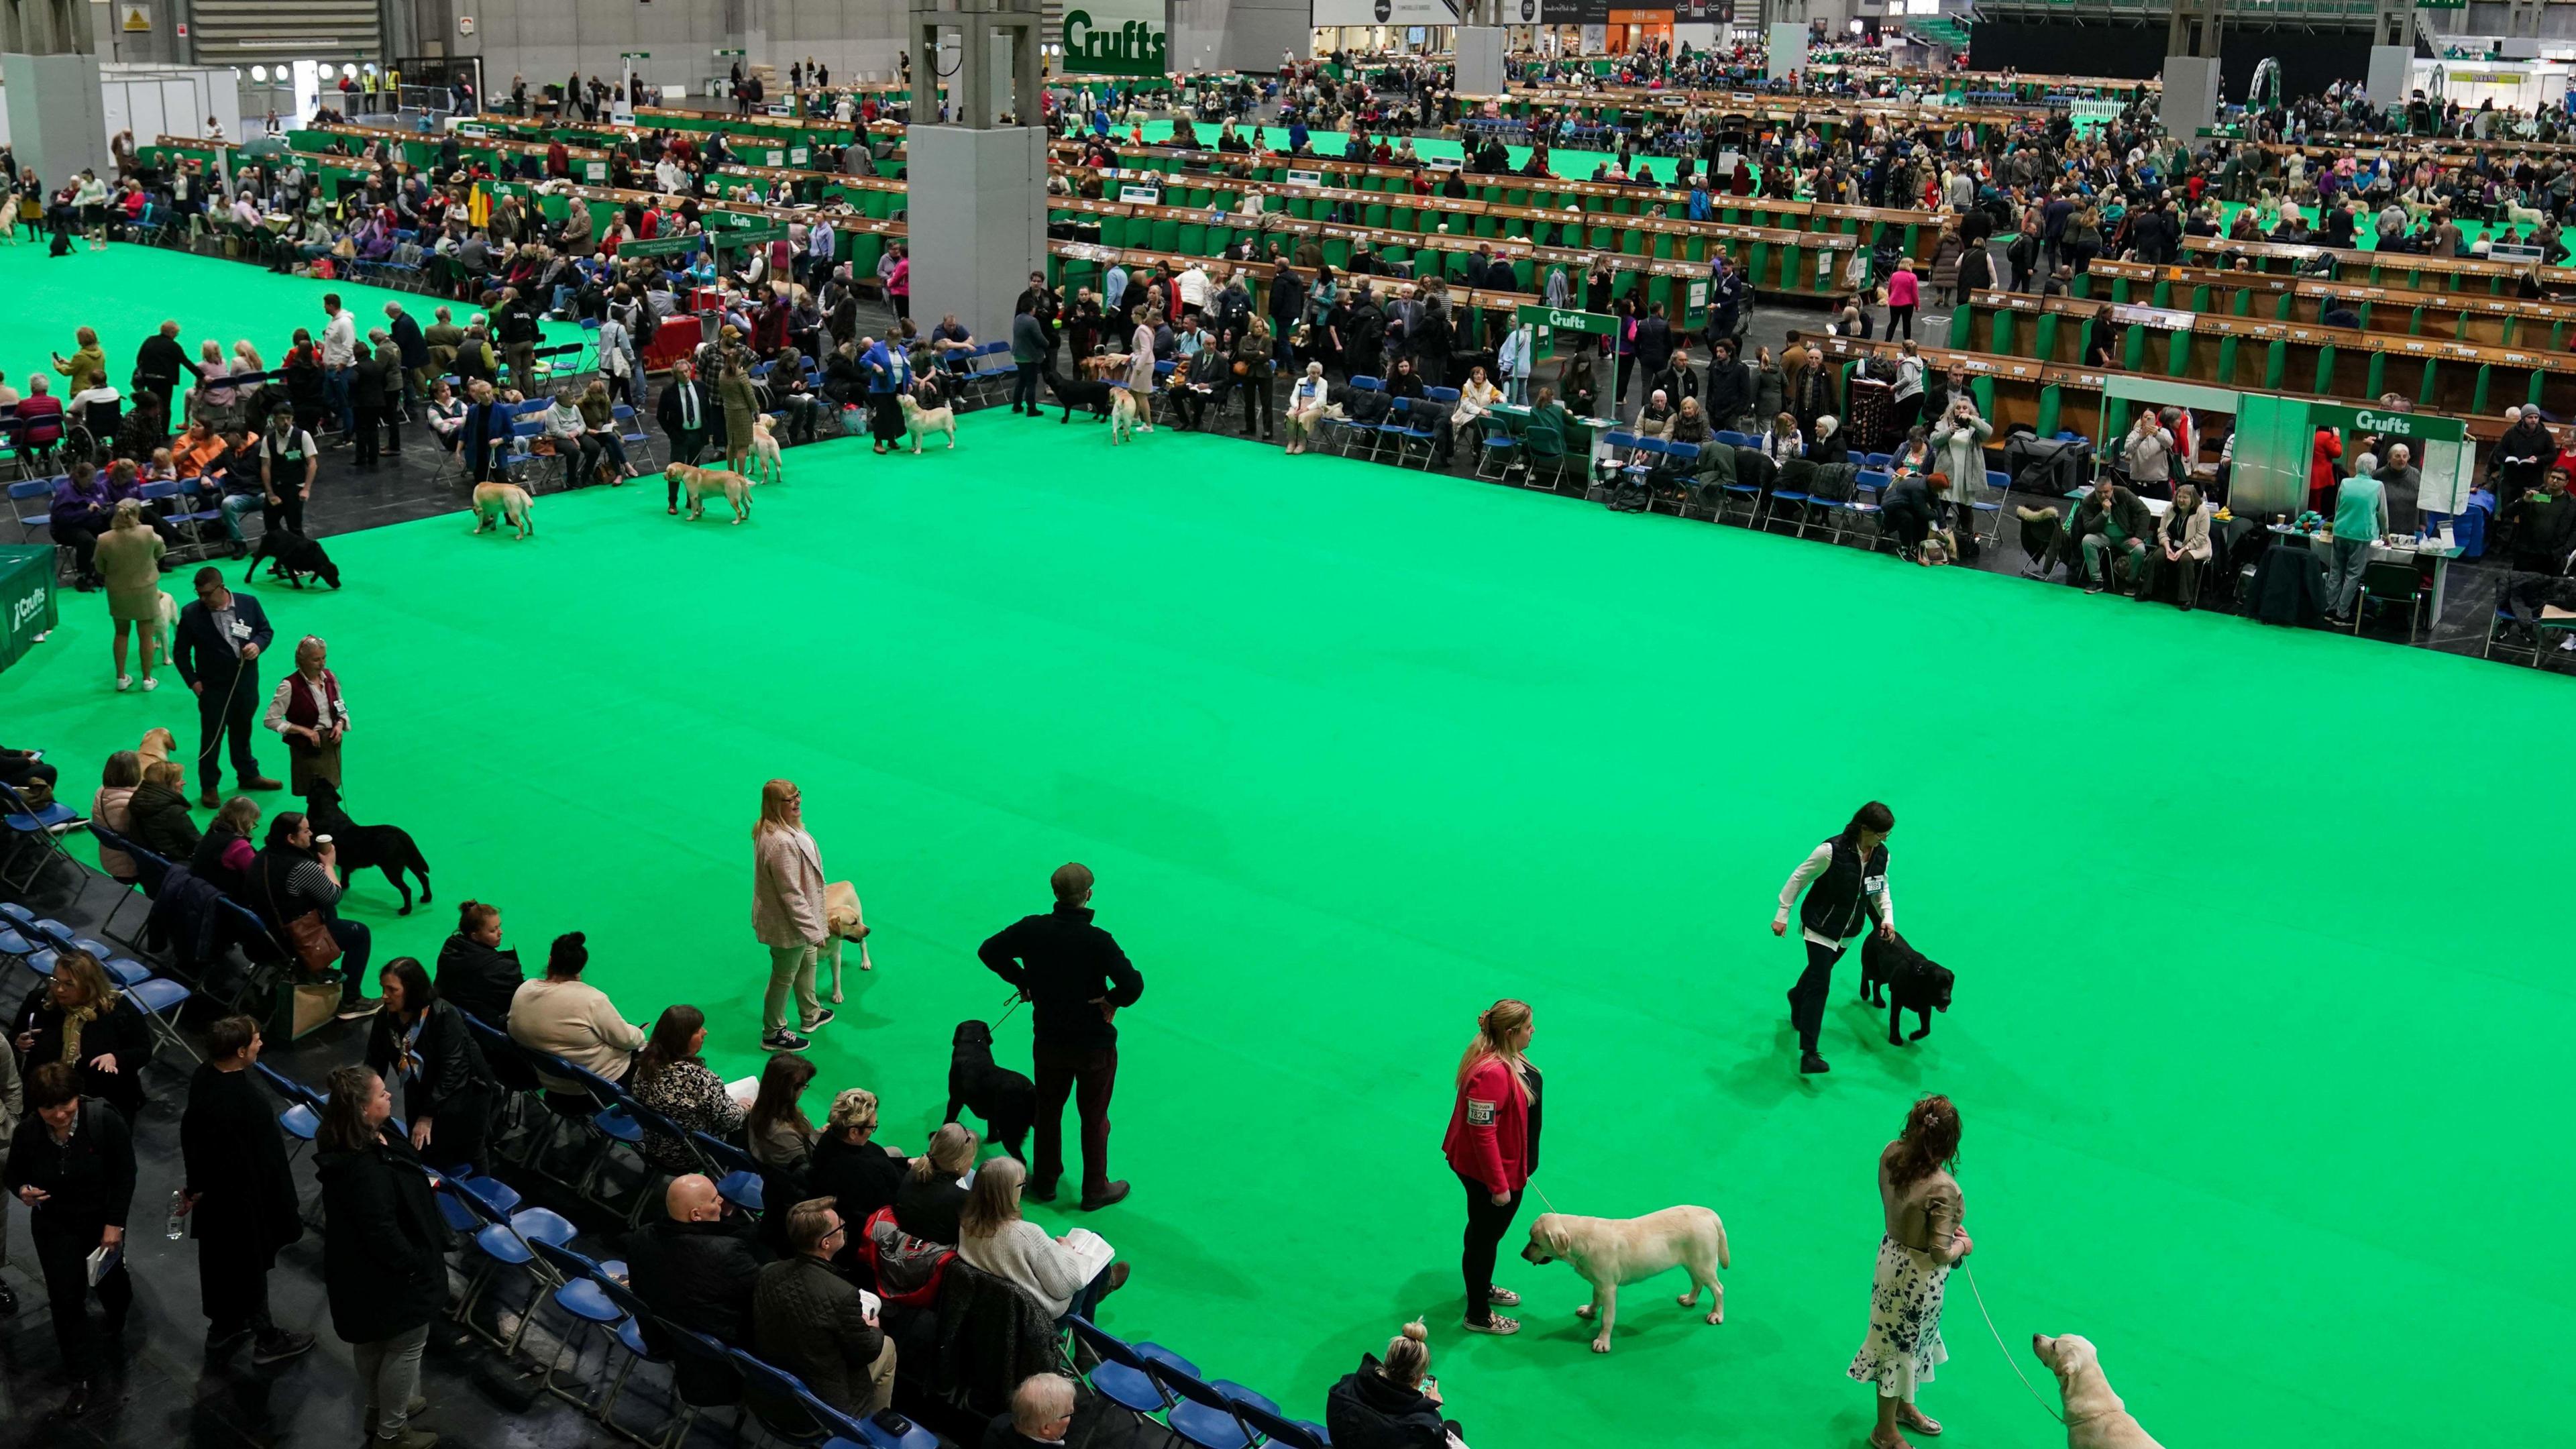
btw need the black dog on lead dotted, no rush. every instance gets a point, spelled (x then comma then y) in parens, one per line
(1092, 397)
(295, 555)
(388, 848)
(1902, 979)
(1007, 1101)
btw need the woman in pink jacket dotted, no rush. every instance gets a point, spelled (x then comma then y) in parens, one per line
(1493, 1147)
(787, 914)
(1904, 290)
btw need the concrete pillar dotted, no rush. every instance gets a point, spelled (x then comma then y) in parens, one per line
(57, 117)
(2191, 93)
(1786, 49)
(2388, 67)
(1480, 60)
(978, 233)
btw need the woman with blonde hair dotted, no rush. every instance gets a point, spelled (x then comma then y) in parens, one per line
(129, 559)
(1067, 1275)
(928, 1201)
(1492, 1146)
(787, 914)
(1923, 1209)
(81, 1020)
(1394, 1402)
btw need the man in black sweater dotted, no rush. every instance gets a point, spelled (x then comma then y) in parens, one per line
(1074, 978)
(73, 1163)
(158, 363)
(240, 1195)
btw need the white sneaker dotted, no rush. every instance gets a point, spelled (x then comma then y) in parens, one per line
(124, 682)
(150, 685)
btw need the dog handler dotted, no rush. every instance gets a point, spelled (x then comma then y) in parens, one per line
(787, 914)
(1493, 1147)
(1849, 877)
(1924, 1238)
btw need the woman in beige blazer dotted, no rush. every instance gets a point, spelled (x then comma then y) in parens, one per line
(1924, 1209)
(2180, 547)
(787, 914)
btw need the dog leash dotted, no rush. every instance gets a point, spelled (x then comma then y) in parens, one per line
(1016, 999)
(1975, 1293)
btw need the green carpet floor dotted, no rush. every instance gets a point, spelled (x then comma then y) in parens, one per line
(2253, 1005)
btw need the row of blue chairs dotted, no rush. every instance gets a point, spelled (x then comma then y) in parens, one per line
(504, 1234)
(1159, 1387)
(1409, 422)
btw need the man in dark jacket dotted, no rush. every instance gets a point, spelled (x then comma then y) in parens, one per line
(1654, 341)
(217, 647)
(695, 1267)
(1041, 1414)
(158, 363)
(413, 347)
(690, 419)
(2109, 517)
(1730, 387)
(1074, 978)
(810, 1321)
(240, 1195)
(73, 1163)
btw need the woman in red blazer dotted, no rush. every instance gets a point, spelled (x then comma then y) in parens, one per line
(1493, 1147)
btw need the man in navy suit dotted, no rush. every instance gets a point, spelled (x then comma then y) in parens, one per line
(220, 639)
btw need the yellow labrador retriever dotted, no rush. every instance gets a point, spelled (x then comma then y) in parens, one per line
(1610, 1252)
(2095, 1417)
(699, 482)
(496, 504)
(845, 919)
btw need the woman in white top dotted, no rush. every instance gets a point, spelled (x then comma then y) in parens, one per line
(1908, 396)
(1476, 397)
(787, 913)
(1306, 407)
(1057, 1272)
(1784, 441)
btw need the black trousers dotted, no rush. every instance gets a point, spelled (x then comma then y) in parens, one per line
(687, 446)
(1088, 1075)
(84, 547)
(1256, 393)
(367, 433)
(225, 708)
(287, 512)
(64, 1257)
(1807, 998)
(1486, 1226)
(1900, 317)
(1024, 386)
(232, 1282)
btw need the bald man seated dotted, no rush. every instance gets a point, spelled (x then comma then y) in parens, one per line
(1041, 1414)
(695, 1265)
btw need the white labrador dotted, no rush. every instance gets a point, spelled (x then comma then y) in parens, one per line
(1609, 1252)
(2095, 1417)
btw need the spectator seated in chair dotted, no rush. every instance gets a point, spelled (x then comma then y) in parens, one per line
(697, 1264)
(1040, 1417)
(1391, 1404)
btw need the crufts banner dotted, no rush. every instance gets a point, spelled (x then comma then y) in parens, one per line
(1115, 37)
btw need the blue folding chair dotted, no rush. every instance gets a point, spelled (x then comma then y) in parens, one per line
(1414, 421)
(28, 826)
(1287, 1433)
(1123, 1373)
(1497, 447)
(1208, 1414)
(1989, 511)
(740, 1183)
(583, 1296)
(1352, 429)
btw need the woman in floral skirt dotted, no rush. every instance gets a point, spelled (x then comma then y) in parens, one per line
(1923, 1239)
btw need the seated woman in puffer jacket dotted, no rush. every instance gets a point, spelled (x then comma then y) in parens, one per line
(1390, 1405)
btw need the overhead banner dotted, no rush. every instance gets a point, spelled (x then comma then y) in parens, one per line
(1116, 37)
(1574, 12)
(1386, 12)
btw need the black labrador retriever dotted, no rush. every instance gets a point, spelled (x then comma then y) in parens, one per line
(1902, 979)
(388, 848)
